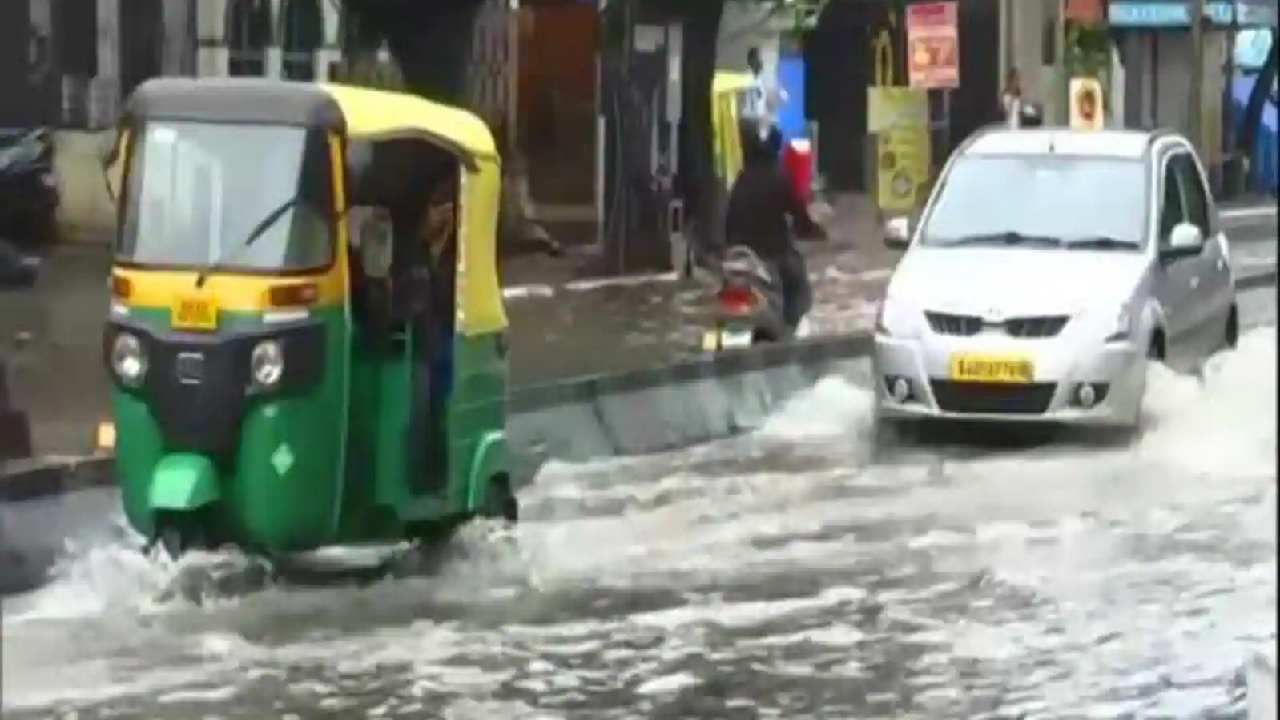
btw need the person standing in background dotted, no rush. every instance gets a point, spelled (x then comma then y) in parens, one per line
(760, 102)
(1011, 99)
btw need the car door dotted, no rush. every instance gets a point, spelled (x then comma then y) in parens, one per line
(1216, 290)
(1211, 298)
(1175, 279)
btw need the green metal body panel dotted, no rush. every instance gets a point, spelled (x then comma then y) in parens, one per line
(183, 482)
(328, 466)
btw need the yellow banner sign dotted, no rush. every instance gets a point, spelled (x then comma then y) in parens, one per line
(890, 107)
(903, 168)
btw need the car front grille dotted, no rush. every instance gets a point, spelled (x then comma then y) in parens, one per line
(994, 398)
(1045, 326)
(1036, 327)
(948, 324)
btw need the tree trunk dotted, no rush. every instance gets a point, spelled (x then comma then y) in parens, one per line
(430, 41)
(698, 185)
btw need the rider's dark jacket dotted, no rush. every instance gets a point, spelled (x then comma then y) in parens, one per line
(760, 202)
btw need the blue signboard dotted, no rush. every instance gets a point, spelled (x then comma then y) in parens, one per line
(791, 119)
(1174, 13)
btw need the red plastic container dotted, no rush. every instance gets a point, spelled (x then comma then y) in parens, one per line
(797, 158)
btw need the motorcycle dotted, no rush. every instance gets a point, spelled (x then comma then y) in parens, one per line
(748, 304)
(28, 185)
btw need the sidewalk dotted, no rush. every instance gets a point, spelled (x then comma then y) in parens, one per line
(576, 326)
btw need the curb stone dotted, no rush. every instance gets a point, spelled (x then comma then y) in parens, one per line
(31, 479)
(15, 426)
(1255, 280)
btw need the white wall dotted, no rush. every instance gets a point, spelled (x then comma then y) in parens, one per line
(1040, 81)
(743, 26)
(177, 39)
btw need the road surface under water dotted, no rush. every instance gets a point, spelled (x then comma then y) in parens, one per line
(796, 572)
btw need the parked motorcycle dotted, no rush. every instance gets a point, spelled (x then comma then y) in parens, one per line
(748, 305)
(28, 186)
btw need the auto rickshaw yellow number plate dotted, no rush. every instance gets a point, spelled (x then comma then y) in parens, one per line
(992, 369)
(195, 313)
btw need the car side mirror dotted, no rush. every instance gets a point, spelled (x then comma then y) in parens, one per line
(373, 235)
(897, 233)
(1186, 240)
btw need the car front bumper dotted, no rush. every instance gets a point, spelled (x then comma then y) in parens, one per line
(1115, 371)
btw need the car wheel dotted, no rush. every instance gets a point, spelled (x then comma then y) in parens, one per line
(1156, 350)
(1232, 338)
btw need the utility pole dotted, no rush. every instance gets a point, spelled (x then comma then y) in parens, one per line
(1195, 120)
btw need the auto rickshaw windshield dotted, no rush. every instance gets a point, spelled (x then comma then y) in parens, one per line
(237, 197)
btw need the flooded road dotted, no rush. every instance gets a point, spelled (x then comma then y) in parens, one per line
(796, 572)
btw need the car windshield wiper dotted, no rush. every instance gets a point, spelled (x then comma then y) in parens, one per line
(1008, 237)
(258, 231)
(1102, 242)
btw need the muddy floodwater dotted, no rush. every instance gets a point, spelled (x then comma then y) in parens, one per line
(797, 572)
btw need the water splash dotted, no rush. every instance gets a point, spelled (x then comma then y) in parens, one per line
(1083, 572)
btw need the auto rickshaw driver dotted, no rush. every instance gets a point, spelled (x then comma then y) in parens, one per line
(434, 274)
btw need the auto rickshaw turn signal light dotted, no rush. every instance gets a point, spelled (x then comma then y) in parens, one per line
(121, 287)
(294, 295)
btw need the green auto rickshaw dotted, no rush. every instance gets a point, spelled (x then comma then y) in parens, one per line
(306, 331)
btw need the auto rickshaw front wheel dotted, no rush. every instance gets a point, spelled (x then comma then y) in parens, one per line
(502, 500)
(177, 534)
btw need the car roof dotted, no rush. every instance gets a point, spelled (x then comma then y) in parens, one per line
(1116, 144)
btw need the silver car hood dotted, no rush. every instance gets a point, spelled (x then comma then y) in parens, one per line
(1015, 282)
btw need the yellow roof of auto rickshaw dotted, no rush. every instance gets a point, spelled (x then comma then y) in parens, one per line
(730, 81)
(378, 114)
(362, 113)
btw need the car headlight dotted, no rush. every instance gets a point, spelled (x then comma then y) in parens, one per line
(128, 359)
(267, 364)
(1122, 326)
(895, 318)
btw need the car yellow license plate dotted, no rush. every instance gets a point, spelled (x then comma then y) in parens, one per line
(992, 369)
(195, 313)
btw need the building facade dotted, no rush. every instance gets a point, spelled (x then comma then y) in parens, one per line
(69, 63)
(292, 39)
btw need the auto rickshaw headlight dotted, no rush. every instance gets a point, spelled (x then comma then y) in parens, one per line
(267, 364)
(128, 359)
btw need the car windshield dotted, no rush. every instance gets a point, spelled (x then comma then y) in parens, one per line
(1042, 201)
(234, 197)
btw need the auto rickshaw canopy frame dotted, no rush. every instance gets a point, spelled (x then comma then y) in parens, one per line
(364, 115)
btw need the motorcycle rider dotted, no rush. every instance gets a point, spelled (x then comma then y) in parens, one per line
(760, 204)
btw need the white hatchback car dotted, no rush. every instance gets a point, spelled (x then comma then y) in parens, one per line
(1046, 268)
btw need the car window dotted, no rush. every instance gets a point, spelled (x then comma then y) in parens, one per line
(1171, 210)
(1055, 197)
(1193, 193)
